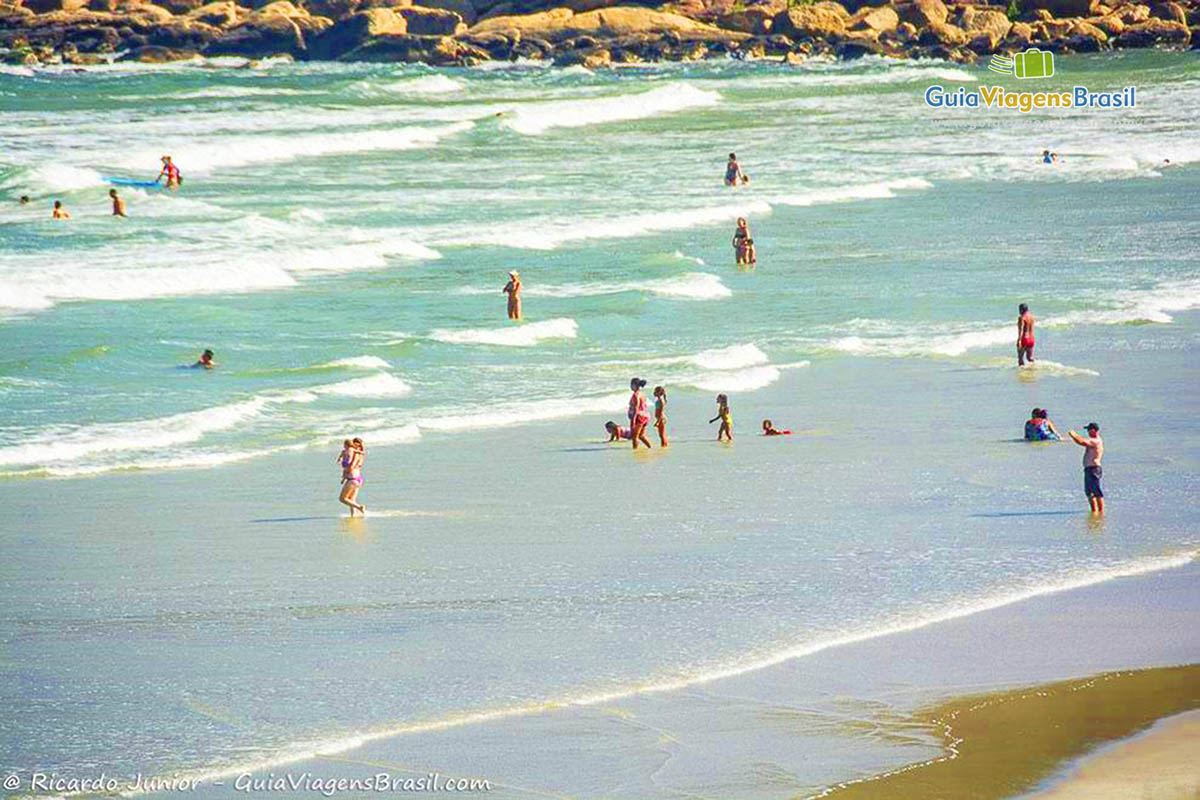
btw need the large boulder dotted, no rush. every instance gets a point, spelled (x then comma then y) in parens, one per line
(184, 34)
(756, 20)
(464, 8)
(280, 8)
(992, 23)
(943, 33)
(334, 9)
(49, 6)
(1131, 13)
(921, 13)
(561, 23)
(439, 51)
(260, 36)
(432, 21)
(152, 54)
(818, 21)
(1059, 8)
(1086, 30)
(1110, 24)
(219, 14)
(1152, 32)
(355, 31)
(874, 18)
(1170, 11)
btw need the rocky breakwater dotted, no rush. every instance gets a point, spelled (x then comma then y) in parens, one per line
(593, 33)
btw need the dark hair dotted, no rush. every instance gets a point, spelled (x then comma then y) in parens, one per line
(24, 198)
(768, 424)
(1022, 308)
(1041, 413)
(207, 353)
(721, 397)
(638, 382)
(608, 426)
(733, 156)
(58, 203)
(112, 192)
(658, 389)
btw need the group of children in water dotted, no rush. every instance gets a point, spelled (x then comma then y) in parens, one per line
(640, 420)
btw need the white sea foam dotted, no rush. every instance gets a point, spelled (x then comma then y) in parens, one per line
(550, 234)
(306, 215)
(842, 194)
(404, 434)
(900, 623)
(522, 335)
(221, 152)
(684, 257)
(688, 286)
(734, 357)
(379, 385)
(99, 282)
(356, 362)
(52, 179)
(504, 414)
(739, 380)
(424, 85)
(536, 118)
(145, 434)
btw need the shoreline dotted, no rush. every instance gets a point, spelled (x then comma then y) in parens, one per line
(1132, 690)
(1003, 743)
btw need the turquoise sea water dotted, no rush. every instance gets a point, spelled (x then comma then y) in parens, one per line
(178, 597)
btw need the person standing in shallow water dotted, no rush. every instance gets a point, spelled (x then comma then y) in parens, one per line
(660, 414)
(352, 477)
(1025, 340)
(1093, 453)
(513, 290)
(743, 244)
(639, 414)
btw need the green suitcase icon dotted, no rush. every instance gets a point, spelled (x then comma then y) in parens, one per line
(1033, 63)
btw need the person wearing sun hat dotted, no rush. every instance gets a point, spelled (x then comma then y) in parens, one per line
(513, 290)
(1092, 454)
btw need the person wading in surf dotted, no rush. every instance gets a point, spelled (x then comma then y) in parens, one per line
(1025, 339)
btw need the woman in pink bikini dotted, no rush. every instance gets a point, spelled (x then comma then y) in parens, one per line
(639, 414)
(352, 477)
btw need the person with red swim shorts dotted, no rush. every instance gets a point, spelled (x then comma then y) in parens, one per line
(1025, 339)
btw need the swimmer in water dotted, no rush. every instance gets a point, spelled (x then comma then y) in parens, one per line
(59, 212)
(206, 361)
(1025, 340)
(118, 205)
(170, 172)
(1039, 428)
(769, 429)
(733, 171)
(723, 414)
(24, 200)
(616, 433)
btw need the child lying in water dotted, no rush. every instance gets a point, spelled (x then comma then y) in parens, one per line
(769, 429)
(616, 432)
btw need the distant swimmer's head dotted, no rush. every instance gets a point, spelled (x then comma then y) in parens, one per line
(112, 192)
(1045, 152)
(660, 392)
(733, 156)
(637, 383)
(1034, 414)
(742, 222)
(58, 203)
(1023, 308)
(358, 443)
(768, 425)
(1092, 428)
(347, 443)
(24, 199)
(722, 400)
(514, 275)
(610, 426)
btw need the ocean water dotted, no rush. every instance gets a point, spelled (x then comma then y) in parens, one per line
(179, 595)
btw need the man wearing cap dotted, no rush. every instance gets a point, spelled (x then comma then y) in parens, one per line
(513, 290)
(1093, 451)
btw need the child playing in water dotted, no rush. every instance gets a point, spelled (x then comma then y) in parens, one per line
(769, 429)
(726, 429)
(616, 432)
(345, 457)
(660, 414)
